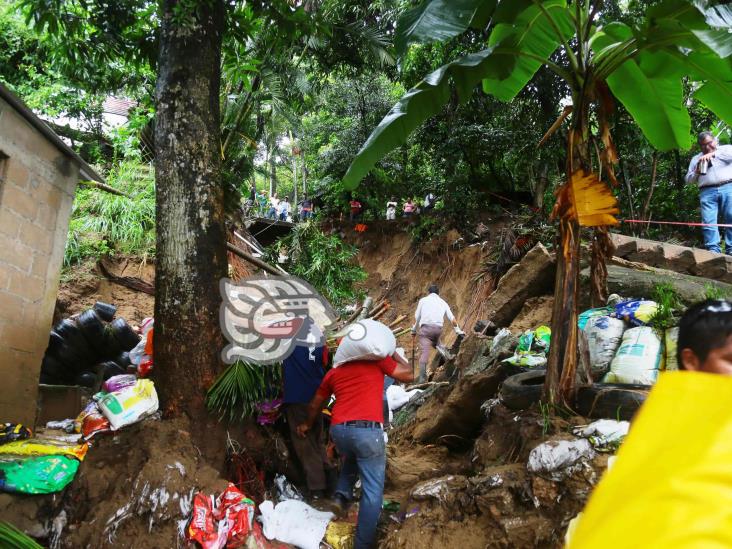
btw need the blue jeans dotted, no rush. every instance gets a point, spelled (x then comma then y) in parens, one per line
(716, 207)
(363, 452)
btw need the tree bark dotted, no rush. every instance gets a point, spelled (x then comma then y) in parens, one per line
(191, 237)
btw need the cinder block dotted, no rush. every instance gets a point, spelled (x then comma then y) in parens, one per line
(40, 265)
(678, 258)
(11, 306)
(20, 202)
(649, 252)
(17, 255)
(9, 223)
(36, 237)
(28, 287)
(717, 267)
(17, 173)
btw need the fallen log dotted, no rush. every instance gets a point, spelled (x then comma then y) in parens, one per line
(127, 281)
(254, 261)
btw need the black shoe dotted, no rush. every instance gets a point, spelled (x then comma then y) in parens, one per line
(340, 504)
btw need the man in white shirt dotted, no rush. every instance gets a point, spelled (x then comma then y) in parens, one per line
(391, 207)
(711, 170)
(274, 204)
(429, 318)
(284, 209)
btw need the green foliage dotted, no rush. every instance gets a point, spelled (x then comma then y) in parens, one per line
(10, 536)
(426, 227)
(669, 307)
(103, 223)
(242, 386)
(324, 261)
(712, 291)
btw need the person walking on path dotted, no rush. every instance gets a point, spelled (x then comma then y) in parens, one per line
(711, 170)
(307, 208)
(428, 320)
(262, 201)
(391, 207)
(356, 429)
(302, 373)
(409, 208)
(429, 201)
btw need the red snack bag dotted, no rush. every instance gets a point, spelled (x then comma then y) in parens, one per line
(203, 528)
(93, 424)
(233, 507)
(144, 368)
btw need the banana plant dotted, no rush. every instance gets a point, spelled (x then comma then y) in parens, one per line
(642, 66)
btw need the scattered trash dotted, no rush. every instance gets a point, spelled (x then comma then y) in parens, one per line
(605, 435)
(284, 490)
(404, 515)
(389, 505)
(488, 405)
(585, 316)
(117, 383)
(269, 411)
(66, 425)
(638, 313)
(533, 345)
(503, 335)
(438, 488)
(37, 475)
(558, 459)
(340, 534)
(142, 354)
(34, 447)
(130, 405)
(638, 359)
(397, 396)
(224, 522)
(294, 522)
(10, 432)
(671, 339)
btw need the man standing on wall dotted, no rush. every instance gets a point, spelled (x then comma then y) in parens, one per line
(429, 318)
(711, 170)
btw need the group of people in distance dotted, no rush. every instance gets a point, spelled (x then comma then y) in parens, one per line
(409, 208)
(272, 207)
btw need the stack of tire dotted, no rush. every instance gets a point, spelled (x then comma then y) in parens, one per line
(88, 349)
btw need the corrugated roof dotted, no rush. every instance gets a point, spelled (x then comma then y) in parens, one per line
(115, 105)
(85, 170)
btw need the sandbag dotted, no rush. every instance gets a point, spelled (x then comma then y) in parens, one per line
(366, 340)
(671, 341)
(37, 475)
(604, 335)
(130, 404)
(671, 485)
(638, 312)
(638, 359)
(589, 313)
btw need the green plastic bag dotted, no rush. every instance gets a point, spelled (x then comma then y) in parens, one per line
(38, 474)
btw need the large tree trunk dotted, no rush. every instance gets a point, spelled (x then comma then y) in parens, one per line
(191, 238)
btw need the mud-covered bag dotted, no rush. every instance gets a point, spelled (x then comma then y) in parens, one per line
(37, 475)
(604, 334)
(638, 359)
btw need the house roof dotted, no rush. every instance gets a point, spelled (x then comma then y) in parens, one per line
(115, 105)
(85, 170)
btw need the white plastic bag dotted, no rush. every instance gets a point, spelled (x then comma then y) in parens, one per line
(397, 396)
(558, 459)
(638, 358)
(604, 335)
(366, 340)
(137, 354)
(294, 522)
(129, 405)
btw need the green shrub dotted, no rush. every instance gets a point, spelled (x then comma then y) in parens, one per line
(103, 223)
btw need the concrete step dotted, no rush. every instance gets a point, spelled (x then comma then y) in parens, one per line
(673, 257)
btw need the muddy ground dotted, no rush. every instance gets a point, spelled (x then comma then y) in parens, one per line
(459, 476)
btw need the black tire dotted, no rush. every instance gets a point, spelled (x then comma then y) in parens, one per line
(611, 400)
(123, 359)
(92, 328)
(54, 372)
(520, 391)
(105, 311)
(55, 342)
(74, 351)
(87, 379)
(124, 334)
(109, 368)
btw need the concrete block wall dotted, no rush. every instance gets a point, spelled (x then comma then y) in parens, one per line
(37, 184)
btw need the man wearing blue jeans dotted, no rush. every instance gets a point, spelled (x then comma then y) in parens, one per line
(711, 170)
(356, 429)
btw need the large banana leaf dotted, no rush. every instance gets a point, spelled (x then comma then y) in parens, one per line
(438, 20)
(418, 104)
(716, 75)
(530, 31)
(650, 88)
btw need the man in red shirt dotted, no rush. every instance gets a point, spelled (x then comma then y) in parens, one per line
(356, 429)
(355, 209)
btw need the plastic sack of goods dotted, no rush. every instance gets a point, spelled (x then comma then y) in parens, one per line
(638, 359)
(130, 404)
(366, 340)
(37, 475)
